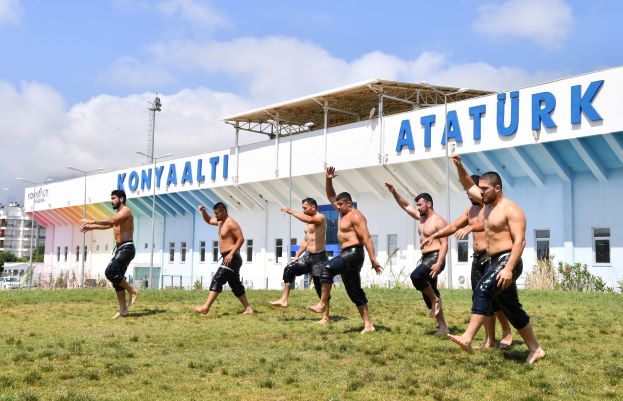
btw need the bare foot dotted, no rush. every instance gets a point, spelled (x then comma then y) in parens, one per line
(281, 303)
(323, 321)
(317, 308)
(368, 329)
(436, 307)
(133, 296)
(507, 340)
(458, 340)
(442, 332)
(485, 345)
(119, 314)
(535, 355)
(248, 311)
(201, 309)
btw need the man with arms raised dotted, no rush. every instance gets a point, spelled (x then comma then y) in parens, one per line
(433, 260)
(505, 230)
(472, 220)
(123, 224)
(315, 255)
(353, 236)
(230, 241)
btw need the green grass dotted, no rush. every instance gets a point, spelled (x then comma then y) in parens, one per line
(64, 346)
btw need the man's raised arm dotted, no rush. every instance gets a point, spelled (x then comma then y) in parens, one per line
(402, 202)
(315, 219)
(466, 181)
(330, 175)
(208, 219)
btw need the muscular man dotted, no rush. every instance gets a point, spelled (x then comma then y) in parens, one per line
(353, 236)
(123, 224)
(230, 241)
(433, 260)
(505, 229)
(472, 220)
(315, 255)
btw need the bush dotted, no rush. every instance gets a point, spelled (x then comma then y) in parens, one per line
(576, 277)
(543, 276)
(197, 285)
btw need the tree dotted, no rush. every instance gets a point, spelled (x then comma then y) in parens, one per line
(7, 257)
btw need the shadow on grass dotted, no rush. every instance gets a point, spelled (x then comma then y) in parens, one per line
(378, 327)
(515, 355)
(310, 318)
(147, 312)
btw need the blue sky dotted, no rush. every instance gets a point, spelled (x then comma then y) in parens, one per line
(76, 76)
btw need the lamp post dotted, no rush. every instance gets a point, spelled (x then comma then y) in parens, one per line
(84, 214)
(33, 222)
(153, 207)
(447, 164)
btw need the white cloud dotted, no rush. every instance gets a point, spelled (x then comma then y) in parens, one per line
(40, 136)
(10, 12)
(131, 73)
(201, 15)
(546, 22)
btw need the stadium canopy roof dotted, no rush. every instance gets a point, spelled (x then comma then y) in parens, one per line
(346, 105)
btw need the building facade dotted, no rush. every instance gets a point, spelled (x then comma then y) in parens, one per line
(18, 232)
(557, 146)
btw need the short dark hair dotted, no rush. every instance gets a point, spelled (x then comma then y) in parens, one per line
(219, 205)
(493, 177)
(344, 196)
(310, 201)
(120, 193)
(475, 178)
(426, 196)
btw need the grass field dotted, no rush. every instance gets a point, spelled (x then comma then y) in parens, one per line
(63, 345)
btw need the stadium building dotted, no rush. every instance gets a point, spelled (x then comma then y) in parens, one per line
(558, 147)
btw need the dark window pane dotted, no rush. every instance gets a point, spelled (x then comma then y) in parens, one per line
(542, 250)
(602, 251)
(601, 232)
(463, 251)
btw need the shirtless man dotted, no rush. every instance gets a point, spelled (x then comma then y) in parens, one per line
(123, 224)
(433, 260)
(315, 255)
(353, 236)
(230, 241)
(472, 220)
(505, 230)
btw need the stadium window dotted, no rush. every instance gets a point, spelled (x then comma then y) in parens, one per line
(171, 251)
(77, 253)
(202, 251)
(392, 247)
(462, 250)
(214, 251)
(601, 245)
(542, 244)
(249, 250)
(278, 249)
(58, 253)
(84, 254)
(375, 242)
(183, 251)
(146, 245)
(66, 253)
(97, 247)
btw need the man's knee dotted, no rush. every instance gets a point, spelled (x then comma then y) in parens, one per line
(419, 280)
(288, 274)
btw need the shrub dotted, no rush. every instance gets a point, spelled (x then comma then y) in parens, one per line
(576, 277)
(543, 276)
(197, 285)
